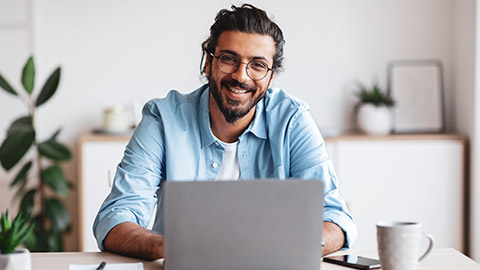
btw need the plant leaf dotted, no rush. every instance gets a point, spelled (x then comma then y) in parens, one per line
(20, 191)
(22, 227)
(6, 86)
(28, 75)
(58, 215)
(49, 87)
(15, 146)
(54, 150)
(54, 136)
(5, 222)
(53, 177)
(24, 123)
(22, 174)
(54, 241)
(27, 203)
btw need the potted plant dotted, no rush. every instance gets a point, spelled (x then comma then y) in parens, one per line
(12, 234)
(373, 111)
(39, 181)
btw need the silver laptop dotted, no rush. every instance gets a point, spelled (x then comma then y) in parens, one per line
(261, 224)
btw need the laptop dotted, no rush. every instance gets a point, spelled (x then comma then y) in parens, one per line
(260, 224)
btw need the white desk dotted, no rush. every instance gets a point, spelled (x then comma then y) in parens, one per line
(439, 259)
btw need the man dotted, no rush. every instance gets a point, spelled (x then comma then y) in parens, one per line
(235, 127)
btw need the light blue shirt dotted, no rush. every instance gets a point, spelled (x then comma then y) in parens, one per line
(174, 142)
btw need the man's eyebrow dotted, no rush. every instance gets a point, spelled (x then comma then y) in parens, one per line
(236, 54)
(230, 52)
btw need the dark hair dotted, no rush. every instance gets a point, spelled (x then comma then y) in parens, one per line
(247, 19)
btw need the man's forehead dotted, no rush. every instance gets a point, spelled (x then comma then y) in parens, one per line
(249, 45)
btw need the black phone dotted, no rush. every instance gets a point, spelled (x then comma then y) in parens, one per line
(353, 261)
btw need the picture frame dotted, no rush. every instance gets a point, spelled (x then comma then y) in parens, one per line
(416, 86)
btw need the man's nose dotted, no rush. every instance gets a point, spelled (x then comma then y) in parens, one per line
(241, 73)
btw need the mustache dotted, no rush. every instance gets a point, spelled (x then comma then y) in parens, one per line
(235, 83)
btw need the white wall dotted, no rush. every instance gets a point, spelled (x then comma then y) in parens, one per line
(464, 98)
(15, 47)
(475, 147)
(113, 52)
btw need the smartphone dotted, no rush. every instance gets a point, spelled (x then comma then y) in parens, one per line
(353, 261)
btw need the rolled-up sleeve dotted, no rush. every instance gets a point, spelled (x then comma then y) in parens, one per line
(137, 179)
(309, 160)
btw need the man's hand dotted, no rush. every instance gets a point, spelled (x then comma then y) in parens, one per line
(333, 237)
(130, 239)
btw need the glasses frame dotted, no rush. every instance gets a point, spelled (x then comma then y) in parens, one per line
(238, 65)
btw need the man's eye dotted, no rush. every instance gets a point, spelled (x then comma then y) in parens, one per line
(257, 65)
(228, 59)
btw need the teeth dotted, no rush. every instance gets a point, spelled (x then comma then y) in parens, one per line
(238, 91)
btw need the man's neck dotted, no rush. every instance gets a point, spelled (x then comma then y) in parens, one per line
(224, 131)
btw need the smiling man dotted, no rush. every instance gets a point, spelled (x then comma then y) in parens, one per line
(235, 127)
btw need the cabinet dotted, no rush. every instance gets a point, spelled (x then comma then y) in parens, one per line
(99, 156)
(397, 177)
(405, 178)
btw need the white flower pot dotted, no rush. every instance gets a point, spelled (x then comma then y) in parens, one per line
(373, 120)
(20, 259)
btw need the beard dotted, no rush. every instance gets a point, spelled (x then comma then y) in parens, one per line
(233, 109)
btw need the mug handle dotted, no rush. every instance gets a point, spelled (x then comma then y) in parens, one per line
(431, 240)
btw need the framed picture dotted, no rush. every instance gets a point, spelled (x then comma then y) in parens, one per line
(417, 88)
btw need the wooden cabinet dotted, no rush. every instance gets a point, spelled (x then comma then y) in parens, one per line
(405, 178)
(398, 177)
(99, 156)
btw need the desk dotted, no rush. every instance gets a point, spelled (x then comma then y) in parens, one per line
(439, 259)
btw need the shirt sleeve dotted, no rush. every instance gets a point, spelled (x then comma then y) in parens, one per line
(137, 179)
(309, 160)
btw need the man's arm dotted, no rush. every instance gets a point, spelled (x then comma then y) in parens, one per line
(333, 237)
(309, 160)
(132, 240)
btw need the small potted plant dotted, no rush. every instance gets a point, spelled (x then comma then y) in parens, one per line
(12, 234)
(373, 115)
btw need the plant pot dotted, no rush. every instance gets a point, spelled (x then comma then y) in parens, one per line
(20, 259)
(374, 120)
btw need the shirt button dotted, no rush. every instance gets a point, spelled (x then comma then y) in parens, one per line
(214, 165)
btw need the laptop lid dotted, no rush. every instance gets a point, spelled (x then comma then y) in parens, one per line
(262, 224)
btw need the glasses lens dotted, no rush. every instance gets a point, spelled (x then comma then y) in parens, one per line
(257, 69)
(227, 63)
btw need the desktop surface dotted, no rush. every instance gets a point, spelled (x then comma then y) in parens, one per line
(439, 259)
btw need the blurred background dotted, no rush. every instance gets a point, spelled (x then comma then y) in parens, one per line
(120, 52)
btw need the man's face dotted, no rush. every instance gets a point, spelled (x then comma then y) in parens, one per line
(237, 94)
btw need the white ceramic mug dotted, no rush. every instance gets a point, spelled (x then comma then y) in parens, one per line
(399, 244)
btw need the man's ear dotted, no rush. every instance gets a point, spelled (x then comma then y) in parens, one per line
(208, 58)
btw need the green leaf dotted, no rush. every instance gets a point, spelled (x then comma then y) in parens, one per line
(27, 203)
(15, 146)
(23, 123)
(49, 87)
(54, 150)
(21, 228)
(28, 75)
(53, 177)
(54, 241)
(6, 86)
(22, 174)
(58, 215)
(54, 136)
(20, 191)
(5, 222)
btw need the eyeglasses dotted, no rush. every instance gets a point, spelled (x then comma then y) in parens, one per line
(228, 64)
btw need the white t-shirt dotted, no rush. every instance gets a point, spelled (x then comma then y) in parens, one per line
(229, 170)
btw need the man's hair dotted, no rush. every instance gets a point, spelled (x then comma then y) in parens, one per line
(246, 19)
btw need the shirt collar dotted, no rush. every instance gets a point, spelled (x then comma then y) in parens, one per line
(257, 127)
